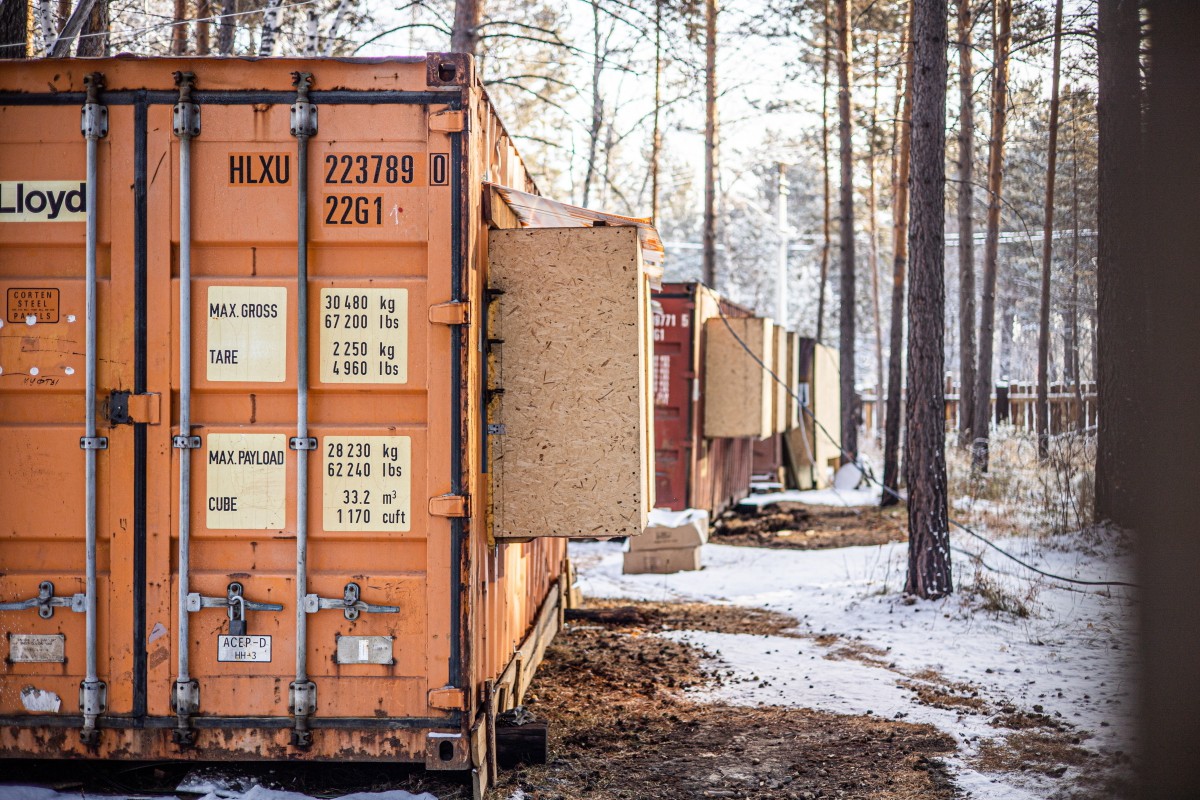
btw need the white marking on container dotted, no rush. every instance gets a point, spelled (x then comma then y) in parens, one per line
(69, 370)
(70, 317)
(158, 631)
(31, 319)
(33, 370)
(40, 700)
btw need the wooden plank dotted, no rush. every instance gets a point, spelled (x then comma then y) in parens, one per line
(827, 408)
(779, 394)
(738, 393)
(793, 380)
(575, 455)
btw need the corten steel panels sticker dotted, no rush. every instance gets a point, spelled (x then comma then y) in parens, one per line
(364, 336)
(247, 487)
(247, 333)
(367, 484)
(37, 303)
(43, 201)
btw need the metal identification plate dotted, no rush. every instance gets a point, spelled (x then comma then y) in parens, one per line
(33, 648)
(364, 650)
(244, 648)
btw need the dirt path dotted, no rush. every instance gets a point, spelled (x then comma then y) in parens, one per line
(798, 526)
(622, 728)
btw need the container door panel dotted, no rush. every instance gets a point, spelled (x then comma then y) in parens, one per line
(673, 381)
(379, 229)
(42, 409)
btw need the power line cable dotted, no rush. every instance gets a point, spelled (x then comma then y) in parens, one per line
(964, 528)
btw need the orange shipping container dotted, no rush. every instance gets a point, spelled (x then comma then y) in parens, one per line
(244, 432)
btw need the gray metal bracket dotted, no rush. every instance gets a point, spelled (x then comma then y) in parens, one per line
(185, 442)
(350, 604)
(93, 442)
(46, 602)
(303, 443)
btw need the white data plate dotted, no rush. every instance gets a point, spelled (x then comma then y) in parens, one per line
(32, 648)
(256, 649)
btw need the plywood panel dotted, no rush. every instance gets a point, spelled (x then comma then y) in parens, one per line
(738, 392)
(574, 318)
(779, 397)
(793, 380)
(827, 408)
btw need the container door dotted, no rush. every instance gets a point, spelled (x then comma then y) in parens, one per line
(45, 652)
(674, 381)
(377, 603)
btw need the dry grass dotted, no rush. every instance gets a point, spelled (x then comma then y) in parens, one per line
(1021, 494)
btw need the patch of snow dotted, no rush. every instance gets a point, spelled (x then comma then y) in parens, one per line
(816, 497)
(1071, 656)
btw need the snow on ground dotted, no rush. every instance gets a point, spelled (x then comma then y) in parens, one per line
(214, 786)
(1068, 658)
(817, 497)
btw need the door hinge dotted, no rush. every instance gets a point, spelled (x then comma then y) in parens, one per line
(448, 121)
(449, 314)
(126, 408)
(447, 698)
(448, 505)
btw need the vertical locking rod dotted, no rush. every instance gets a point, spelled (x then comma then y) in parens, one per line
(303, 692)
(94, 127)
(185, 694)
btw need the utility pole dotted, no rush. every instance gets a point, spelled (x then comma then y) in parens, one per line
(710, 144)
(781, 281)
(656, 141)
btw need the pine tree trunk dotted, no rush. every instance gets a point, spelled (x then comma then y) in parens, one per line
(15, 30)
(1043, 376)
(873, 252)
(826, 242)
(929, 574)
(464, 35)
(966, 226)
(93, 39)
(1002, 26)
(1120, 286)
(203, 12)
(227, 27)
(710, 143)
(891, 432)
(1071, 357)
(846, 284)
(180, 31)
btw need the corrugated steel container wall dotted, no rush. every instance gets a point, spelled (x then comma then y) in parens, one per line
(395, 230)
(691, 471)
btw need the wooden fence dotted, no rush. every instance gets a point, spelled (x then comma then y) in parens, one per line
(1015, 404)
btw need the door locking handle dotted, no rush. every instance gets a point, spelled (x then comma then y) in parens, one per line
(350, 604)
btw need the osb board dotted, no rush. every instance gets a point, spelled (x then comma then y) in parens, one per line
(793, 380)
(779, 402)
(574, 457)
(738, 393)
(827, 408)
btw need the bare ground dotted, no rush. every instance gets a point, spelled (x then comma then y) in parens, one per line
(621, 727)
(798, 526)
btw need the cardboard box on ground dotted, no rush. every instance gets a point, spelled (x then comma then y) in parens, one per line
(671, 543)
